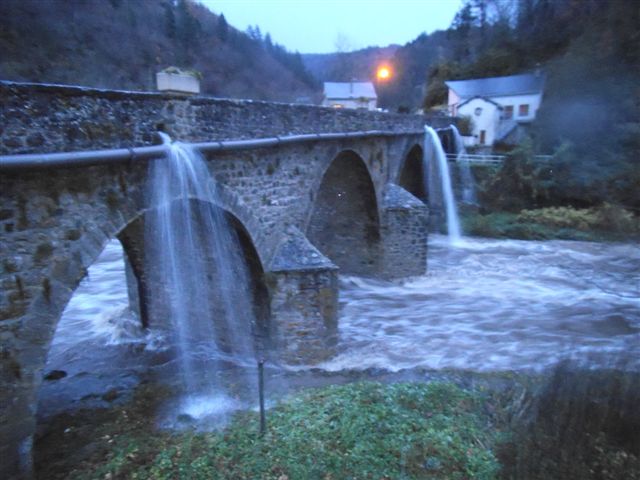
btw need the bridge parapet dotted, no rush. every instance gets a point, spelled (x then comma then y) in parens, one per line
(51, 118)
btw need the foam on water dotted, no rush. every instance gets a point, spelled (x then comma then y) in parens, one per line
(99, 309)
(496, 305)
(203, 406)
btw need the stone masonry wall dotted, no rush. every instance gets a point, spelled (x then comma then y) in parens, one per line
(40, 118)
(405, 229)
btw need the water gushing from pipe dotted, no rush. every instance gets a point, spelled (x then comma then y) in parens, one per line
(200, 278)
(466, 175)
(437, 152)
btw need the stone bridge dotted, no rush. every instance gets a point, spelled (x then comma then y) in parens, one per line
(328, 191)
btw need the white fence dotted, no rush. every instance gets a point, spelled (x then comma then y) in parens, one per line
(488, 159)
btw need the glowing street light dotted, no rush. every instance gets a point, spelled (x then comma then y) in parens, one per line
(383, 73)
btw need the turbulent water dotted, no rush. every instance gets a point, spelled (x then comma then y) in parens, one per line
(484, 305)
(99, 344)
(497, 305)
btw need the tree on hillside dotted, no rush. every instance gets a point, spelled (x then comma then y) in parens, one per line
(437, 91)
(169, 20)
(223, 28)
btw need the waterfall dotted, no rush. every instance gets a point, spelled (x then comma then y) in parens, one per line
(200, 279)
(453, 223)
(466, 175)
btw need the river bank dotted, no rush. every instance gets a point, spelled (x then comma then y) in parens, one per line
(570, 422)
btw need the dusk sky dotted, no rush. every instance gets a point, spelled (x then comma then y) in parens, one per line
(313, 26)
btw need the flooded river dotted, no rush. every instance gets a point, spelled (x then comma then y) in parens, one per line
(485, 305)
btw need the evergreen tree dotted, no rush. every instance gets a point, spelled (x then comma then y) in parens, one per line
(169, 21)
(223, 28)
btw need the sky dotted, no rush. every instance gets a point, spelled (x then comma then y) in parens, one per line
(324, 26)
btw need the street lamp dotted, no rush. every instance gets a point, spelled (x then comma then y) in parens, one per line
(383, 73)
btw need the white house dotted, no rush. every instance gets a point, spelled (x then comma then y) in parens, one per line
(350, 95)
(498, 106)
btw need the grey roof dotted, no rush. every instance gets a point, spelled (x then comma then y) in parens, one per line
(498, 86)
(345, 90)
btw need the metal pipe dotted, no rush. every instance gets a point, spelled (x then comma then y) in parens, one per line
(84, 158)
(120, 155)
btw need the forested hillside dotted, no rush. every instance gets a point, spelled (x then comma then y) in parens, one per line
(358, 65)
(123, 43)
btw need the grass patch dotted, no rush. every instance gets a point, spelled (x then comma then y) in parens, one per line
(357, 431)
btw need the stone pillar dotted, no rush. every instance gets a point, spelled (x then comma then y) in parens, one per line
(132, 240)
(304, 302)
(405, 226)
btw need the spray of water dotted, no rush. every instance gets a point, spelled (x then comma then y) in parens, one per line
(195, 259)
(437, 152)
(466, 175)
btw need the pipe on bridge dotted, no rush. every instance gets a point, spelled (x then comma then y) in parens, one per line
(122, 155)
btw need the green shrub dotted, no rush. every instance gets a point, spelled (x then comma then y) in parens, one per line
(616, 219)
(562, 217)
(606, 217)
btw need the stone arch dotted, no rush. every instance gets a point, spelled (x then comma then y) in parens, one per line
(344, 218)
(260, 295)
(132, 238)
(231, 203)
(413, 175)
(61, 279)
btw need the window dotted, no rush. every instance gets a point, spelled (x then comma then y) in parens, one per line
(483, 136)
(523, 110)
(478, 111)
(508, 111)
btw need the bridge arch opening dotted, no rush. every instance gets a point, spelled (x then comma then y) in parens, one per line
(144, 254)
(344, 217)
(98, 332)
(109, 349)
(413, 176)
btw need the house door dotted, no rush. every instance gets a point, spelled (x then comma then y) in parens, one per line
(483, 135)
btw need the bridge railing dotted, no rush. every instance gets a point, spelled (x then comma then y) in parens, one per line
(475, 158)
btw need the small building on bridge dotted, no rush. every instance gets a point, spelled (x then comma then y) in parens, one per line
(360, 95)
(500, 107)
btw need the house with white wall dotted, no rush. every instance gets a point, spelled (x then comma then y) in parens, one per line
(499, 107)
(360, 95)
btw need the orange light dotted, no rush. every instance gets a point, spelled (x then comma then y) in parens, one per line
(384, 73)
